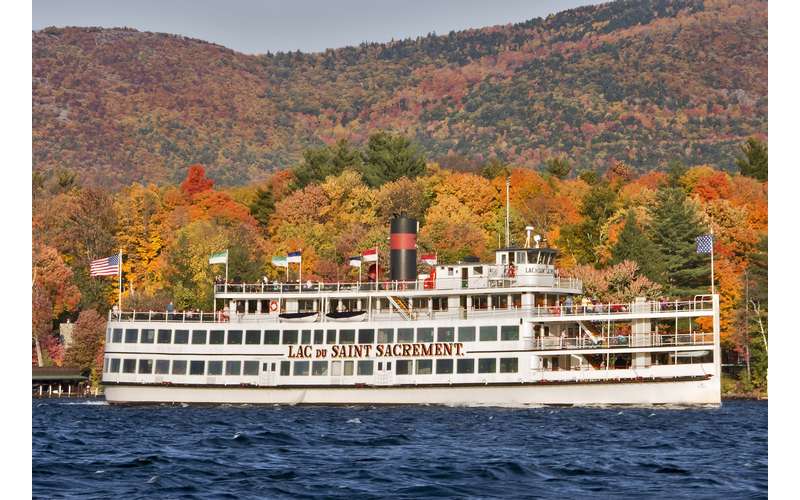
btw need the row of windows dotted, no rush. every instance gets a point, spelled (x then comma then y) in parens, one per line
(290, 337)
(303, 368)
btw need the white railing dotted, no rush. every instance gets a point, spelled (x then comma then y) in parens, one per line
(539, 311)
(652, 339)
(447, 283)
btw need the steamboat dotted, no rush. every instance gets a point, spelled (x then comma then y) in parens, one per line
(506, 333)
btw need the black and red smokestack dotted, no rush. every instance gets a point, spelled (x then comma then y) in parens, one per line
(403, 249)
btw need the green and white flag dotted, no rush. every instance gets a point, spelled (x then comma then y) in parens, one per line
(280, 262)
(219, 258)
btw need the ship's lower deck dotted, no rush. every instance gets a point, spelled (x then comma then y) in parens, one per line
(685, 391)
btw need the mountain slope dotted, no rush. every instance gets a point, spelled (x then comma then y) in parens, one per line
(644, 82)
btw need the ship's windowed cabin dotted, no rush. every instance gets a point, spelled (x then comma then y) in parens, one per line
(164, 336)
(250, 368)
(148, 336)
(466, 334)
(405, 335)
(424, 335)
(272, 337)
(216, 337)
(131, 336)
(181, 336)
(385, 335)
(252, 337)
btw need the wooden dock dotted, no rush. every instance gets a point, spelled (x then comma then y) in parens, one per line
(58, 382)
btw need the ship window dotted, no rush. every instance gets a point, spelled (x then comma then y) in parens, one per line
(424, 366)
(105, 364)
(199, 336)
(116, 335)
(419, 303)
(162, 366)
(131, 336)
(499, 301)
(487, 365)
(128, 366)
(445, 334)
(465, 365)
(521, 258)
(466, 334)
(509, 332)
(444, 366)
(389, 366)
(477, 271)
(516, 300)
(439, 303)
(214, 367)
(250, 368)
(509, 365)
(488, 333)
(480, 302)
(216, 337)
(403, 367)
(164, 336)
(197, 367)
(366, 336)
(285, 365)
(347, 336)
(405, 335)
(114, 365)
(330, 337)
(348, 368)
(252, 337)
(290, 337)
(181, 336)
(300, 368)
(365, 367)
(319, 368)
(305, 337)
(234, 337)
(146, 366)
(148, 336)
(385, 335)
(424, 334)
(503, 259)
(319, 337)
(450, 271)
(272, 337)
(233, 368)
(108, 335)
(179, 367)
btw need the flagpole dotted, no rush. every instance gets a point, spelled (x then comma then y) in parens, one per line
(300, 275)
(712, 262)
(226, 265)
(119, 301)
(377, 268)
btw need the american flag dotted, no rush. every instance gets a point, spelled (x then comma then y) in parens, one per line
(105, 267)
(705, 243)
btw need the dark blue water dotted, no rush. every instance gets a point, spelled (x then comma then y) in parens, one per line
(90, 450)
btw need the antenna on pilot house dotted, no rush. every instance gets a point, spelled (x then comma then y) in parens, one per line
(537, 238)
(528, 231)
(508, 213)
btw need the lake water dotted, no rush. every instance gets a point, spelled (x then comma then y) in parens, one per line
(89, 449)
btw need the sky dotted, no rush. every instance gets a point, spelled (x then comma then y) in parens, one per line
(256, 27)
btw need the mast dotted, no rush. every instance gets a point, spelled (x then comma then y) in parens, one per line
(508, 213)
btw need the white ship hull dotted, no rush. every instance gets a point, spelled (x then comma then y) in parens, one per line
(690, 392)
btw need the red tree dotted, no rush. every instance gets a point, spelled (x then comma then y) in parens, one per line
(196, 181)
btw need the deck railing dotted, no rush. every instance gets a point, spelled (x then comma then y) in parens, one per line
(652, 339)
(539, 311)
(449, 283)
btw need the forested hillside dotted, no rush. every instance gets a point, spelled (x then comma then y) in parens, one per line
(644, 82)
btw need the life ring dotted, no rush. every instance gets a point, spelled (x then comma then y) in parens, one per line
(511, 271)
(273, 305)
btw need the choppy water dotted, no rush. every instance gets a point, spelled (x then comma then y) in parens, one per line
(91, 450)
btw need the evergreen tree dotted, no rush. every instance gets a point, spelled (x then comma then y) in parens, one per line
(754, 162)
(495, 168)
(558, 167)
(674, 229)
(590, 177)
(634, 245)
(389, 157)
(675, 173)
(586, 239)
(320, 163)
(264, 205)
